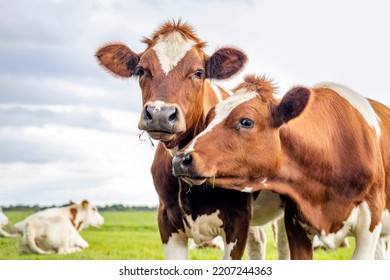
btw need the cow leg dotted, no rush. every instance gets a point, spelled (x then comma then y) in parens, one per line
(366, 244)
(177, 247)
(382, 249)
(366, 240)
(236, 235)
(74, 243)
(235, 250)
(256, 244)
(68, 250)
(80, 242)
(281, 240)
(175, 241)
(299, 243)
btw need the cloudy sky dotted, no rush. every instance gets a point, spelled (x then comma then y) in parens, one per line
(68, 130)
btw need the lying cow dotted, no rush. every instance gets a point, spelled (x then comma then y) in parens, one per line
(56, 230)
(3, 223)
(325, 148)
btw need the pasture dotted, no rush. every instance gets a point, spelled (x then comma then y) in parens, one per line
(133, 235)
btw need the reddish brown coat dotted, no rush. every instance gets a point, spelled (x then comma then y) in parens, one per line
(328, 159)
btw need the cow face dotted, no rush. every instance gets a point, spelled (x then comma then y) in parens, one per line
(172, 73)
(92, 216)
(241, 143)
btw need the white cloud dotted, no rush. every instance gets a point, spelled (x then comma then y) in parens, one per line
(102, 166)
(106, 166)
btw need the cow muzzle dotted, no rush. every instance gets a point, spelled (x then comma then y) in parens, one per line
(162, 121)
(182, 164)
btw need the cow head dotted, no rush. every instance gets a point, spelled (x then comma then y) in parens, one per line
(241, 143)
(172, 72)
(84, 215)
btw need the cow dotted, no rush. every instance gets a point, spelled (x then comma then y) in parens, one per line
(324, 148)
(3, 223)
(176, 79)
(56, 230)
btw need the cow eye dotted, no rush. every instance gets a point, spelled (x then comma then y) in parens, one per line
(246, 123)
(140, 71)
(199, 73)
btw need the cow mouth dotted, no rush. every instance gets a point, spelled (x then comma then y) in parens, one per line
(160, 135)
(165, 132)
(227, 182)
(194, 180)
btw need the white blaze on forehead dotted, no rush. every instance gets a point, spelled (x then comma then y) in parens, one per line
(222, 111)
(170, 49)
(359, 102)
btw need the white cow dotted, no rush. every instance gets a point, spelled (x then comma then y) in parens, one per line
(4, 222)
(56, 230)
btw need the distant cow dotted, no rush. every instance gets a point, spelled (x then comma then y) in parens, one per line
(325, 148)
(3, 223)
(56, 230)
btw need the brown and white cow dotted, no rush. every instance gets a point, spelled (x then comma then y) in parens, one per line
(56, 230)
(175, 76)
(325, 148)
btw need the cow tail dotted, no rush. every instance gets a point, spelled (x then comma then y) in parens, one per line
(4, 233)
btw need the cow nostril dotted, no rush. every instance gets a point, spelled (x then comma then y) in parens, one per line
(147, 115)
(173, 117)
(187, 159)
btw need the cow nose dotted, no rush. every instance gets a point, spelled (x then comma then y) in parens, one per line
(181, 163)
(162, 121)
(160, 115)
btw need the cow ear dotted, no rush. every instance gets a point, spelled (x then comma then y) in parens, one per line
(73, 214)
(224, 63)
(118, 59)
(84, 203)
(291, 106)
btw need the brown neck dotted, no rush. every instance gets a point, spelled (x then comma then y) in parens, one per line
(314, 174)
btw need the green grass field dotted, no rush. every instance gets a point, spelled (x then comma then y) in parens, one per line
(132, 235)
